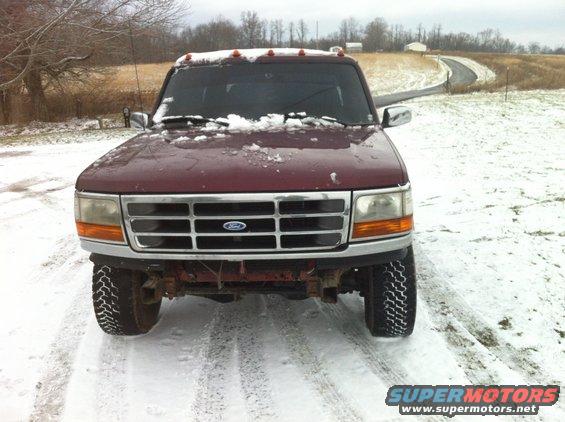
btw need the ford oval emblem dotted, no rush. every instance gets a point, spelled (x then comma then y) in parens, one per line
(234, 226)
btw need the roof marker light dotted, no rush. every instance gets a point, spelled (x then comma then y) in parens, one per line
(270, 53)
(301, 52)
(340, 53)
(236, 53)
(188, 57)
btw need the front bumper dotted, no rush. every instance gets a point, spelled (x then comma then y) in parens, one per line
(350, 250)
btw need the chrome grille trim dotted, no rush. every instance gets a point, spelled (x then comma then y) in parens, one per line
(277, 233)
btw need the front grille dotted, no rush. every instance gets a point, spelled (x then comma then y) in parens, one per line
(271, 222)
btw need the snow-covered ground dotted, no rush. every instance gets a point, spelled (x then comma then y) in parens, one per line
(488, 185)
(35, 127)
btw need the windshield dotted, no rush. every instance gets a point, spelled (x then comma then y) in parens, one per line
(255, 90)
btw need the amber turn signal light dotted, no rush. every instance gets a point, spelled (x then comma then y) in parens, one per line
(100, 232)
(382, 227)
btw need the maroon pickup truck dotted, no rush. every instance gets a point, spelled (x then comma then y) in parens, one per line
(259, 171)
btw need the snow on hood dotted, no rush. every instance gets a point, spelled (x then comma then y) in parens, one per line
(250, 54)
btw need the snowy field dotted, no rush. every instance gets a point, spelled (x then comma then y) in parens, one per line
(488, 184)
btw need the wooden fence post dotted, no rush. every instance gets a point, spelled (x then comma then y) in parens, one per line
(506, 93)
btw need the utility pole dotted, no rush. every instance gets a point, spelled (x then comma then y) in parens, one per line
(317, 39)
(506, 93)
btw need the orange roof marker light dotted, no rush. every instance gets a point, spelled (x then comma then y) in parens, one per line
(340, 53)
(236, 53)
(188, 57)
(301, 52)
(270, 53)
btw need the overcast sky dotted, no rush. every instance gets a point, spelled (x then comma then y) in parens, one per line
(520, 20)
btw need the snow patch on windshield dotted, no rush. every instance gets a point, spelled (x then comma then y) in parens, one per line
(270, 122)
(163, 109)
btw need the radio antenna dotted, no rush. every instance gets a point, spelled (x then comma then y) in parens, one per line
(136, 73)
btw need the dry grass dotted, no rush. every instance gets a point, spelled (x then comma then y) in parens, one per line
(122, 78)
(105, 93)
(526, 71)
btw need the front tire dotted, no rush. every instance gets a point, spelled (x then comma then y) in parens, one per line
(390, 298)
(116, 296)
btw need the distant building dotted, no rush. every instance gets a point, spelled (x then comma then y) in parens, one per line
(416, 46)
(354, 47)
(335, 48)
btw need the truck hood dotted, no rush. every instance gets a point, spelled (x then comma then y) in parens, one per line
(198, 161)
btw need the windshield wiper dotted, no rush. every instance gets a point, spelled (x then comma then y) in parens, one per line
(302, 115)
(193, 119)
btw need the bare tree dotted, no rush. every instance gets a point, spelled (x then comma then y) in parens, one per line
(291, 34)
(349, 30)
(251, 29)
(421, 32)
(343, 31)
(51, 39)
(277, 32)
(301, 32)
(375, 35)
(218, 34)
(534, 48)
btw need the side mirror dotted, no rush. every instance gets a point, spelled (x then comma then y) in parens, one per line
(139, 121)
(396, 116)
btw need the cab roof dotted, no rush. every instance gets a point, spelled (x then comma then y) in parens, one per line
(250, 55)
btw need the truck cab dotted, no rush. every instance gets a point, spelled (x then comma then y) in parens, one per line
(263, 171)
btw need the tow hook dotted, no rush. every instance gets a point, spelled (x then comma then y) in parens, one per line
(152, 290)
(329, 285)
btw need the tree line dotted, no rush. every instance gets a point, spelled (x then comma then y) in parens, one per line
(378, 35)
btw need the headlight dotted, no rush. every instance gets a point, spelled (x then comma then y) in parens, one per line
(99, 217)
(381, 214)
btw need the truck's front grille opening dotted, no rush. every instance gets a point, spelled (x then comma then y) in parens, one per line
(165, 226)
(302, 241)
(321, 207)
(311, 224)
(234, 208)
(165, 242)
(236, 242)
(157, 209)
(237, 222)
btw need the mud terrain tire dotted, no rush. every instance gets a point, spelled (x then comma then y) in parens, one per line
(116, 295)
(390, 298)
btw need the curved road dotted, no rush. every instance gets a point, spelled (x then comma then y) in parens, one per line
(461, 76)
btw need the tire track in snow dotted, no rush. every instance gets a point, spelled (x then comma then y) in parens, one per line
(52, 387)
(377, 360)
(312, 368)
(66, 249)
(111, 384)
(254, 379)
(467, 332)
(21, 185)
(210, 400)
